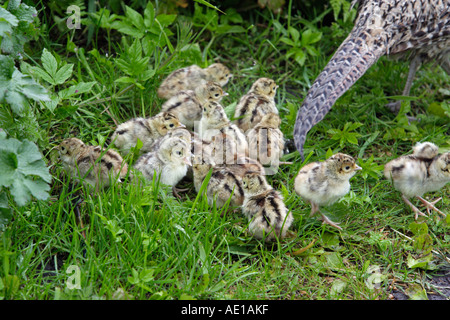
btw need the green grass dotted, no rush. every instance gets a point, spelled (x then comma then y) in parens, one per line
(142, 243)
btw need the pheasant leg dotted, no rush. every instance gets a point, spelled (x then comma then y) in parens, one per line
(413, 207)
(430, 205)
(414, 65)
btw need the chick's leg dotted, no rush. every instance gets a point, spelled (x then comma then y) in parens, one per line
(175, 191)
(324, 218)
(413, 207)
(314, 209)
(430, 205)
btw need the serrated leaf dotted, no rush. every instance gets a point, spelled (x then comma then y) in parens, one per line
(41, 73)
(49, 62)
(127, 29)
(76, 89)
(352, 138)
(135, 18)
(147, 275)
(63, 73)
(149, 15)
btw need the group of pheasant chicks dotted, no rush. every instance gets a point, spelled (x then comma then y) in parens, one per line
(192, 135)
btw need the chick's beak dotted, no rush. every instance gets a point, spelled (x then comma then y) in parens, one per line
(187, 161)
(357, 168)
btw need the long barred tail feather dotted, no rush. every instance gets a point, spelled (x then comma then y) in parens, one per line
(348, 64)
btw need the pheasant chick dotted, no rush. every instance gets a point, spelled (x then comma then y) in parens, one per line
(186, 105)
(266, 142)
(264, 207)
(224, 185)
(215, 123)
(189, 78)
(423, 171)
(170, 161)
(147, 130)
(91, 164)
(258, 101)
(323, 183)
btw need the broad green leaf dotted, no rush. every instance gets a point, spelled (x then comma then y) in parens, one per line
(424, 262)
(147, 275)
(18, 88)
(300, 57)
(76, 89)
(23, 170)
(337, 287)
(418, 228)
(149, 15)
(7, 67)
(5, 212)
(287, 41)
(416, 292)
(166, 20)
(135, 18)
(42, 74)
(22, 11)
(294, 34)
(124, 27)
(8, 17)
(49, 62)
(125, 80)
(63, 73)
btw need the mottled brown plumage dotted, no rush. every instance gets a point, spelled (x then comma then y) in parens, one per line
(418, 30)
(257, 102)
(264, 207)
(191, 77)
(92, 165)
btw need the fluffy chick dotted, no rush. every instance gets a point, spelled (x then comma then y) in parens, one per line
(258, 101)
(170, 161)
(266, 142)
(215, 123)
(264, 208)
(323, 183)
(147, 130)
(186, 105)
(423, 171)
(179, 132)
(91, 164)
(191, 77)
(224, 185)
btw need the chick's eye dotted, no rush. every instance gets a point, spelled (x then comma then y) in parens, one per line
(347, 168)
(171, 125)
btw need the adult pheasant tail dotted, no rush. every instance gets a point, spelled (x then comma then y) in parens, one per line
(352, 59)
